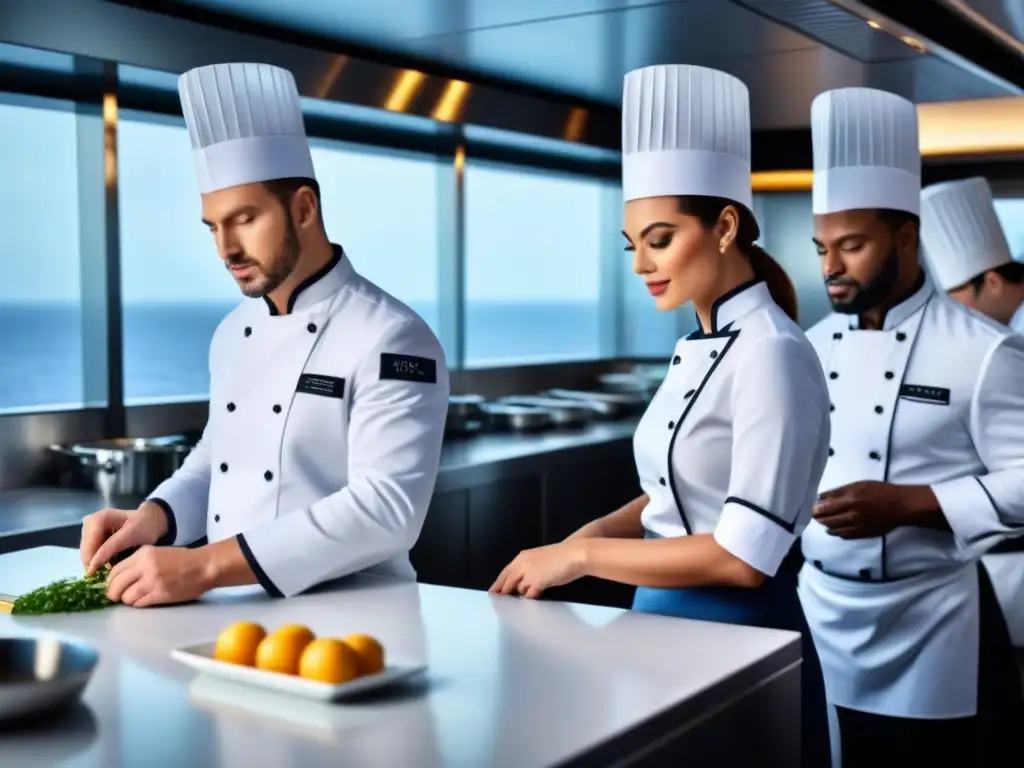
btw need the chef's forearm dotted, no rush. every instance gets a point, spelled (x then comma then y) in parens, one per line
(226, 565)
(623, 523)
(922, 508)
(677, 563)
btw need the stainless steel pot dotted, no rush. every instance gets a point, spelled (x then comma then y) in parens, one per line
(127, 466)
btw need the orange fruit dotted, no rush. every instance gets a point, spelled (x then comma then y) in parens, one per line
(329, 661)
(280, 651)
(299, 630)
(237, 644)
(369, 651)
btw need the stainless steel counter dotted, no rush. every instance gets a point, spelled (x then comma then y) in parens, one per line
(510, 683)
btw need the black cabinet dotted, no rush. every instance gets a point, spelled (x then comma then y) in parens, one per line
(472, 533)
(576, 494)
(505, 517)
(440, 554)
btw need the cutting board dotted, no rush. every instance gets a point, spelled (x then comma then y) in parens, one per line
(28, 569)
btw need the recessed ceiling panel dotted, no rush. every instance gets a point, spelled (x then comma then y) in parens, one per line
(787, 51)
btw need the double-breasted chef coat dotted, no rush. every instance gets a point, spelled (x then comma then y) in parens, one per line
(1006, 569)
(324, 436)
(935, 397)
(734, 441)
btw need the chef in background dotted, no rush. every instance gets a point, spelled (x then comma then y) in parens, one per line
(968, 256)
(926, 461)
(967, 252)
(328, 397)
(732, 447)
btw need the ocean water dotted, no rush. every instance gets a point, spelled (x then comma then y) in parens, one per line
(166, 346)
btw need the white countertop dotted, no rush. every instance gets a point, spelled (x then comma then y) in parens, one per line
(510, 682)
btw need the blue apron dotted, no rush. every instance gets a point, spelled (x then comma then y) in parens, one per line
(774, 605)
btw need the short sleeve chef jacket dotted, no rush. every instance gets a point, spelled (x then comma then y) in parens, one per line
(324, 436)
(734, 442)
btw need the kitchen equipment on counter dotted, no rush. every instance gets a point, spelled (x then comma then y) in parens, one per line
(610, 405)
(465, 416)
(517, 418)
(623, 383)
(126, 466)
(565, 414)
(41, 675)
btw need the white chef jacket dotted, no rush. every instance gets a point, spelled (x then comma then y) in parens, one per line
(733, 442)
(324, 436)
(1006, 569)
(935, 397)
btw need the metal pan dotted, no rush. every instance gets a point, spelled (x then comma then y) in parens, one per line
(465, 416)
(517, 418)
(126, 466)
(611, 404)
(42, 675)
(565, 414)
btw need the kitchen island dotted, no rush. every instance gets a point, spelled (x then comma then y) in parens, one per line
(510, 682)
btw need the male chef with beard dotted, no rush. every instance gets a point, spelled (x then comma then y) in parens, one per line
(926, 461)
(328, 397)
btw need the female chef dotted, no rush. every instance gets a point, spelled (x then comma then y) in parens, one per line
(734, 443)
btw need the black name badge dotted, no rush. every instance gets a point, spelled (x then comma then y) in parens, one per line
(408, 368)
(325, 386)
(922, 394)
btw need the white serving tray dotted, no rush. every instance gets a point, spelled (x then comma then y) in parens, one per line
(200, 657)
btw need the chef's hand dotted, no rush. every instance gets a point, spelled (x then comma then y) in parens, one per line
(535, 570)
(159, 575)
(861, 510)
(111, 531)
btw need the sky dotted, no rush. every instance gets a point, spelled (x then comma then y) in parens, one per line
(529, 236)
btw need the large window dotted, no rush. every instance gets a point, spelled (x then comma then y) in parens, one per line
(533, 266)
(40, 294)
(174, 288)
(381, 208)
(787, 232)
(1010, 211)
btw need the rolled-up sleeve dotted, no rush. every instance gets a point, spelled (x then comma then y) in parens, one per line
(780, 442)
(397, 419)
(983, 509)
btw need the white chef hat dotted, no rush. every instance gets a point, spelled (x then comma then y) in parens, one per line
(866, 151)
(685, 131)
(960, 231)
(245, 123)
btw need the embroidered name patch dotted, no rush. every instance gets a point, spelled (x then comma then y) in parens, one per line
(408, 368)
(325, 386)
(937, 395)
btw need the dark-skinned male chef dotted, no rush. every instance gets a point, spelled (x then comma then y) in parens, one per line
(926, 461)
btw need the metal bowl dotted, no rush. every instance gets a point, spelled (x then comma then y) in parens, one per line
(42, 675)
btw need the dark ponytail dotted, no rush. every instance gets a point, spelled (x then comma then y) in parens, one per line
(708, 210)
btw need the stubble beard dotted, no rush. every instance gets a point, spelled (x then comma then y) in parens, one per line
(868, 296)
(269, 277)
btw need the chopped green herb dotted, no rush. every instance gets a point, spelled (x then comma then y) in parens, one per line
(88, 593)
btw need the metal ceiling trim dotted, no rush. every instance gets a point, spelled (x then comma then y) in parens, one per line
(109, 31)
(984, 24)
(940, 52)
